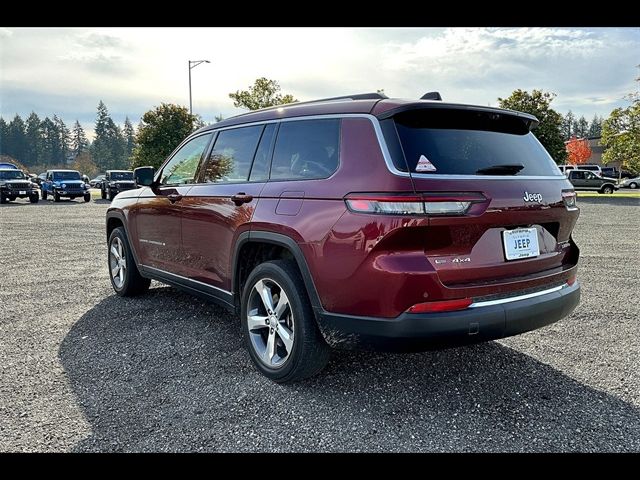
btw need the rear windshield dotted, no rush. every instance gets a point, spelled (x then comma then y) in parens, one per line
(466, 142)
(11, 174)
(66, 176)
(121, 175)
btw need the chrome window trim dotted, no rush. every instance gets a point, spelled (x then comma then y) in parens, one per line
(501, 301)
(387, 155)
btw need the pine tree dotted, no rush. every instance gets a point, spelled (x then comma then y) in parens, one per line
(581, 127)
(64, 139)
(567, 125)
(16, 139)
(50, 143)
(33, 139)
(595, 128)
(79, 142)
(109, 147)
(4, 134)
(129, 137)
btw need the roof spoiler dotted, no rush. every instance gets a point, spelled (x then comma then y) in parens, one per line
(431, 96)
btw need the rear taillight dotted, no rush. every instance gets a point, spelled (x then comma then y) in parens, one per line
(571, 280)
(569, 198)
(441, 306)
(425, 204)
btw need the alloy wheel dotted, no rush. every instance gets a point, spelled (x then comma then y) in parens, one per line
(270, 322)
(117, 262)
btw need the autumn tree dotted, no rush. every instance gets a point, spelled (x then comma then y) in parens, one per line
(85, 164)
(160, 131)
(263, 93)
(578, 150)
(549, 130)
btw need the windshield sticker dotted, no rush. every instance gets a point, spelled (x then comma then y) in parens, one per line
(424, 165)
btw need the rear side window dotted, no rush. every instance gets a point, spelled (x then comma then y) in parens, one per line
(466, 142)
(230, 159)
(306, 149)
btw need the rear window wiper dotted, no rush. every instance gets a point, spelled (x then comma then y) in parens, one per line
(503, 169)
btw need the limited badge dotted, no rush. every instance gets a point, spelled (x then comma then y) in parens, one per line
(424, 165)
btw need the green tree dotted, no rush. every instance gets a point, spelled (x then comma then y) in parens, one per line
(109, 146)
(16, 141)
(160, 131)
(4, 134)
(582, 127)
(621, 136)
(50, 143)
(549, 131)
(129, 137)
(33, 139)
(64, 139)
(595, 127)
(567, 125)
(263, 93)
(79, 142)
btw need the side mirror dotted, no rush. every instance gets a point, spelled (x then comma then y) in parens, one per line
(143, 176)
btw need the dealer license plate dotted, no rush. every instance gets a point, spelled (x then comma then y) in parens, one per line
(520, 243)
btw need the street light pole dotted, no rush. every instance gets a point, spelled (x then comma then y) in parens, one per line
(193, 64)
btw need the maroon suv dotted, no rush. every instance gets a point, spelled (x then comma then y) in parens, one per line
(357, 221)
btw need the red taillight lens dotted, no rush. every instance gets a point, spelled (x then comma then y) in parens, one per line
(428, 203)
(569, 198)
(441, 306)
(571, 280)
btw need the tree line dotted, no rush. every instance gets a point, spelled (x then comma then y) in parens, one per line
(39, 144)
(49, 142)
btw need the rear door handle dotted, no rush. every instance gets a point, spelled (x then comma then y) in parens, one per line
(174, 197)
(240, 198)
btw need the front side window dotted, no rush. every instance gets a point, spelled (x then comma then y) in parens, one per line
(306, 149)
(182, 167)
(231, 157)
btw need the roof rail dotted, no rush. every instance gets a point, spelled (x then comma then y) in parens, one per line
(357, 96)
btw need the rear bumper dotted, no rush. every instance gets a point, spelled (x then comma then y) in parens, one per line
(415, 332)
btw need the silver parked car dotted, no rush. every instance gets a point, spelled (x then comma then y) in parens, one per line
(631, 183)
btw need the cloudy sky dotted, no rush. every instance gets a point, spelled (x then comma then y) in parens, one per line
(67, 71)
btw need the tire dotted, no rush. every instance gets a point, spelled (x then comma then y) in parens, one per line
(130, 283)
(308, 353)
(608, 189)
(633, 185)
(109, 195)
(56, 197)
(3, 199)
(103, 194)
(34, 198)
(44, 194)
(87, 197)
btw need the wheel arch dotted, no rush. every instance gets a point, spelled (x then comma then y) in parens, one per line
(283, 241)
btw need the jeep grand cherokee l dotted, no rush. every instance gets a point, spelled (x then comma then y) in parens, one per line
(358, 221)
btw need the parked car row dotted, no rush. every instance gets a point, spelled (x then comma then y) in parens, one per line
(60, 183)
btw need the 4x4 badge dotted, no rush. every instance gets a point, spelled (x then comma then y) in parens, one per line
(532, 197)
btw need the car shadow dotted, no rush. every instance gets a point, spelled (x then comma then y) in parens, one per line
(168, 372)
(102, 201)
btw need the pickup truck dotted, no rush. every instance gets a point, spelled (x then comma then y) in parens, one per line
(586, 180)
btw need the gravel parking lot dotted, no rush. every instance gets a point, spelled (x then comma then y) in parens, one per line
(84, 370)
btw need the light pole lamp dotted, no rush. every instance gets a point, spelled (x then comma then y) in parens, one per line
(193, 64)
